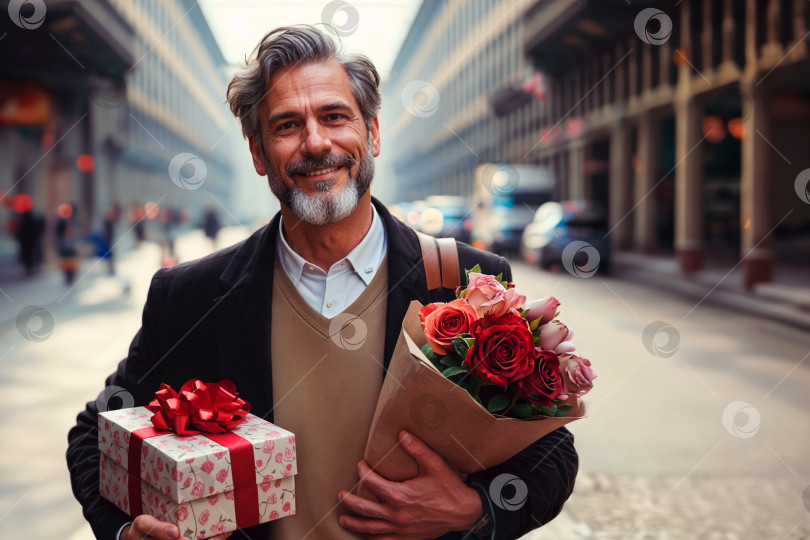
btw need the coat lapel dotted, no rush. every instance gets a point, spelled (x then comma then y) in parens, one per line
(406, 276)
(244, 320)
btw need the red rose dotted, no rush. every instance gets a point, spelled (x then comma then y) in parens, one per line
(545, 382)
(503, 351)
(443, 322)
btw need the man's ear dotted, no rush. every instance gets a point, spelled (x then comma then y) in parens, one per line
(375, 136)
(255, 144)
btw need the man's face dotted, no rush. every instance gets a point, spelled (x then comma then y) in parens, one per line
(315, 148)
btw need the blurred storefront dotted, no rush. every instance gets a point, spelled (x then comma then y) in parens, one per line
(96, 99)
(688, 119)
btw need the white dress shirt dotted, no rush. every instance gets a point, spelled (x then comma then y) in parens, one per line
(330, 293)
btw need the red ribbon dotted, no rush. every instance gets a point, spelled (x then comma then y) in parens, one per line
(214, 408)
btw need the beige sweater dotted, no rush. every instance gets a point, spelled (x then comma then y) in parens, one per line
(327, 375)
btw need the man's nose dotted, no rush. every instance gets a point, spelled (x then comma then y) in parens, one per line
(316, 139)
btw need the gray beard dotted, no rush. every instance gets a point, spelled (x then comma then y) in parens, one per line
(325, 207)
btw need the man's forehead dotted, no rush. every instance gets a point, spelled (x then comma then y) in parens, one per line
(327, 80)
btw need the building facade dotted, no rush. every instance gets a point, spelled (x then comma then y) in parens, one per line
(688, 120)
(100, 97)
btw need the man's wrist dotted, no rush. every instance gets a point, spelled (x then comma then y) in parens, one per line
(485, 525)
(121, 530)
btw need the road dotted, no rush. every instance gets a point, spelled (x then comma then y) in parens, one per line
(657, 458)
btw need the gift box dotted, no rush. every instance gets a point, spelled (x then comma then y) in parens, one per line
(207, 483)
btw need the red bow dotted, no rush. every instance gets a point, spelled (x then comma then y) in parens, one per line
(208, 407)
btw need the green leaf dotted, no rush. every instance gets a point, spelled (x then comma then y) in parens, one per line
(545, 409)
(455, 370)
(476, 269)
(477, 398)
(535, 323)
(523, 313)
(450, 361)
(498, 402)
(564, 409)
(430, 353)
(461, 346)
(522, 410)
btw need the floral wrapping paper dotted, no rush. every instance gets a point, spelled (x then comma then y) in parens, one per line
(188, 480)
(198, 518)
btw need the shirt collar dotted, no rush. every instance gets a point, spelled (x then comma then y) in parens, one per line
(365, 258)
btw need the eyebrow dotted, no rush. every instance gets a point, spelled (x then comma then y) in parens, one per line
(337, 105)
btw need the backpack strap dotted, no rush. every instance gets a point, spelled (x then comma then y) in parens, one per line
(440, 257)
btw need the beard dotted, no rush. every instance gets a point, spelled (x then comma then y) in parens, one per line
(327, 206)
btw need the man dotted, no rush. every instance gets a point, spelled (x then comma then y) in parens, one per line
(262, 313)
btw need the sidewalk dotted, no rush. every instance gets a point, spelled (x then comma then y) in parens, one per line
(786, 300)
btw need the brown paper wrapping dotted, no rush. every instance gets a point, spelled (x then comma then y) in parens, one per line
(416, 397)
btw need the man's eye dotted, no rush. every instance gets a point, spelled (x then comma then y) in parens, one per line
(334, 116)
(286, 125)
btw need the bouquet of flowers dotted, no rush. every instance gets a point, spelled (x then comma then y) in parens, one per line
(513, 357)
(478, 379)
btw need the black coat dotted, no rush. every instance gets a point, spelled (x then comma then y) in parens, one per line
(209, 319)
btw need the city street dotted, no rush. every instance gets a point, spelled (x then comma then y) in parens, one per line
(666, 450)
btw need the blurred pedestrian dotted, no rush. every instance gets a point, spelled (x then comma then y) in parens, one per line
(211, 224)
(137, 215)
(111, 215)
(28, 229)
(168, 219)
(67, 242)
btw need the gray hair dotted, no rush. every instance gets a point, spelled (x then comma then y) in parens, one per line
(290, 46)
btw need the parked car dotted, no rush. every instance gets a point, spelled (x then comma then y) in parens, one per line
(446, 216)
(507, 198)
(557, 226)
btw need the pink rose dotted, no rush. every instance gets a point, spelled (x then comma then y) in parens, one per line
(259, 463)
(159, 465)
(273, 498)
(278, 483)
(222, 474)
(220, 454)
(168, 491)
(190, 460)
(208, 466)
(229, 494)
(578, 375)
(545, 307)
(181, 514)
(218, 528)
(489, 297)
(273, 515)
(213, 499)
(268, 447)
(288, 453)
(198, 489)
(551, 335)
(279, 457)
(177, 476)
(291, 439)
(187, 482)
(286, 507)
(203, 517)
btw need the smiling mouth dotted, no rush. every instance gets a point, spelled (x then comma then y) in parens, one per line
(319, 172)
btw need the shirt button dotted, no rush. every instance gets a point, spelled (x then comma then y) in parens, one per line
(311, 267)
(369, 269)
(329, 304)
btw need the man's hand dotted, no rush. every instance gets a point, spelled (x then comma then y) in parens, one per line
(150, 528)
(433, 503)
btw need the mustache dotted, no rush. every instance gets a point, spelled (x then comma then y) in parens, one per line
(326, 160)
